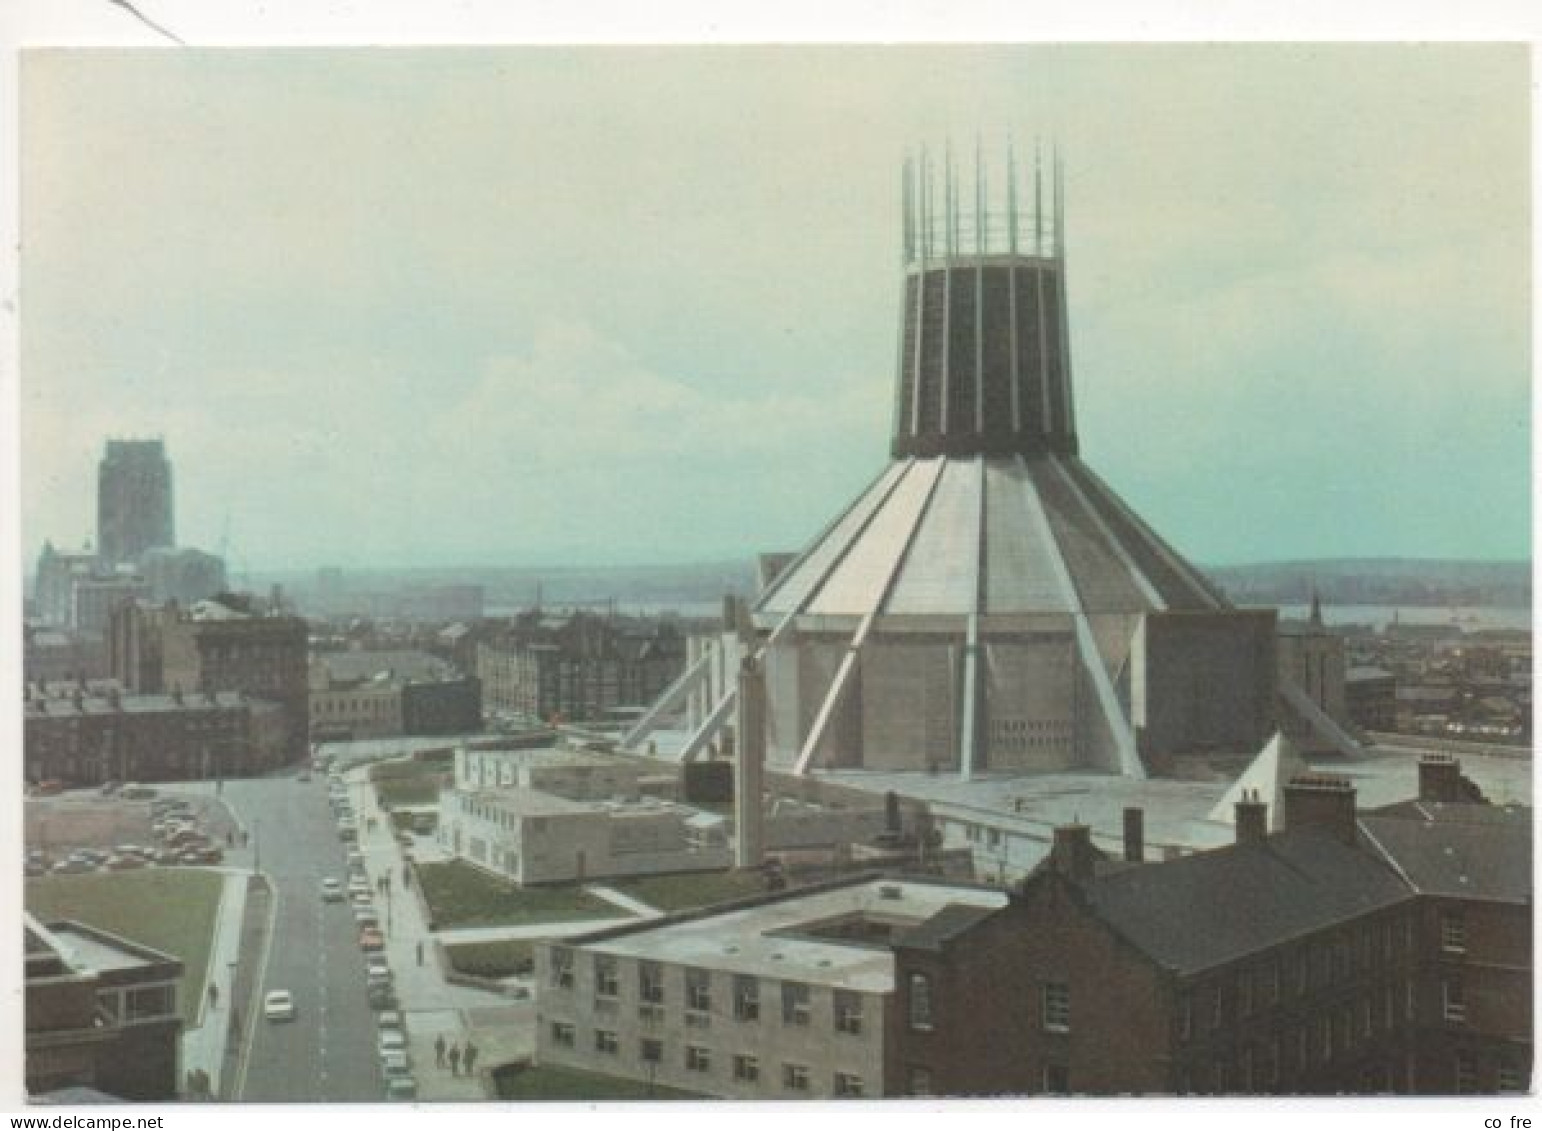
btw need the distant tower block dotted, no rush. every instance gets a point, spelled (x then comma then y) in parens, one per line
(134, 501)
(988, 603)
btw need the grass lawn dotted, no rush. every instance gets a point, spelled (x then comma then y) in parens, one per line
(170, 909)
(409, 781)
(677, 893)
(502, 959)
(459, 895)
(548, 1082)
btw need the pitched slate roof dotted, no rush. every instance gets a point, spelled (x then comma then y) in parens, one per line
(1209, 909)
(1463, 850)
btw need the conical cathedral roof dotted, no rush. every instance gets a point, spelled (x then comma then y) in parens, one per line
(986, 508)
(988, 535)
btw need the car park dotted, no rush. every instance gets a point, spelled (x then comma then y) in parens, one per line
(278, 1006)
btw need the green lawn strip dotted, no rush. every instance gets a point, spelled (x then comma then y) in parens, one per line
(459, 895)
(549, 1082)
(408, 781)
(501, 959)
(696, 889)
(171, 910)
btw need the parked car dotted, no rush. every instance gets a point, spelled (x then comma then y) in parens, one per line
(124, 863)
(332, 890)
(111, 787)
(401, 1086)
(370, 938)
(381, 995)
(391, 1041)
(278, 1006)
(136, 792)
(73, 866)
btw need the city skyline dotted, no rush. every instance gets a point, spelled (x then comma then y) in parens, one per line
(366, 296)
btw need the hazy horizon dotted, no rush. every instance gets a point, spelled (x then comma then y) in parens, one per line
(635, 305)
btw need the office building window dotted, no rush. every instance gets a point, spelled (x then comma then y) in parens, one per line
(920, 1081)
(746, 1068)
(652, 1050)
(562, 967)
(848, 1084)
(1055, 1079)
(698, 1058)
(746, 998)
(698, 990)
(795, 1004)
(562, 1034)
(606, 1041)
(848, 1012)
(650, 982)
(920, 1001)
(607, 977)
(795, 1077)
(1055, 1007)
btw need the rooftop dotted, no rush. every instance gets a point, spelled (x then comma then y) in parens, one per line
(1205, 910)
(1461, 849)
(766, 938)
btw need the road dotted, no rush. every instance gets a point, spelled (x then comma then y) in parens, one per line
(328, 1052)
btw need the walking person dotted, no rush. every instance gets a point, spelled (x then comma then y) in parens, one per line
(471, 1056)
(439, 1051)
(455, 1060)
(214, 996)
(420, 952)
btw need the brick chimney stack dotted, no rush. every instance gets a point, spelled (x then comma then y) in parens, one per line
(1252, 819)
(1440, 778)
(1134, 835)
(1073, 855)
(1326, 800)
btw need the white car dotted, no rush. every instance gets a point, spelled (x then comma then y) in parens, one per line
(392, 1042)
(332, 890)
(278, 1006)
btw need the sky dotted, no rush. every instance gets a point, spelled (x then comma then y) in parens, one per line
(543, 306)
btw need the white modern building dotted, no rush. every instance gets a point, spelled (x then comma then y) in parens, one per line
(776, 997)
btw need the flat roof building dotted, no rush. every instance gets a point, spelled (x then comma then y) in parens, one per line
(779, 997)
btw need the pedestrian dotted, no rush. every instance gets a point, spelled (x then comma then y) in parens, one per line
(471, 1056)
(214, 996)
(420, 952)
(439, 1050)
(455, 1060)
(230, 839)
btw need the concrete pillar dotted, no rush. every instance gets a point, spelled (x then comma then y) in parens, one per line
(749, 816)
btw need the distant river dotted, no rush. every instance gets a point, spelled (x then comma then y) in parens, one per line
(1468, 619)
